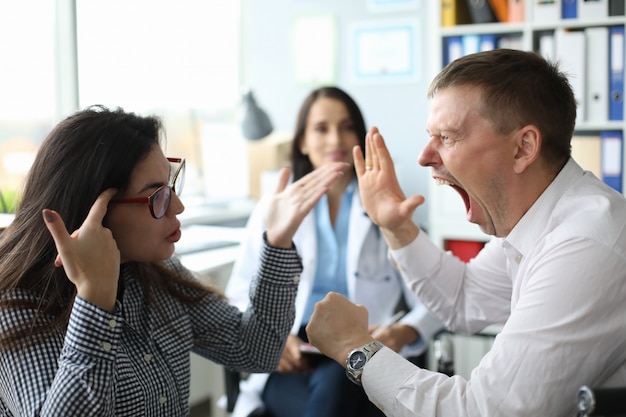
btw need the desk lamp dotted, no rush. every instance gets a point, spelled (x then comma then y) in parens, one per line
(255, 123)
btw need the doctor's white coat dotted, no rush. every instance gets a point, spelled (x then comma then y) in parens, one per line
(372, 281)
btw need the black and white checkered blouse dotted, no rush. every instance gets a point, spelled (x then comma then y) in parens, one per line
(135, 361)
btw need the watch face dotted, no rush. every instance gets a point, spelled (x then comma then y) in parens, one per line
(357, 360)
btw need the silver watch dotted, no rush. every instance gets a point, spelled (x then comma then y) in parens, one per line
(357, 359)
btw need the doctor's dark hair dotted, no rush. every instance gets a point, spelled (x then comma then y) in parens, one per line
(518, 88)
(300, 163)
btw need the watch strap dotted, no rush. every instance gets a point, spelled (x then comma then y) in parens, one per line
(367, 351)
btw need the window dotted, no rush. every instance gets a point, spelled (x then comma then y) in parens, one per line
(176, 59)
(27, 89)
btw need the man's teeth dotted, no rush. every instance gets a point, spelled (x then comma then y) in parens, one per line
(440, 181)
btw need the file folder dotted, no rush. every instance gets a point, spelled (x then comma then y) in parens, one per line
(616, 76)
(570, 51)
(480, 11)
(546, 11)
(500, 9)
(616, 7)
(511, 42)
(592, 9)
(454, 12)
(587, 151)
(516, 10)
(487, 42)
(569, 9)
(453, 49)
(547, 49)
(471, 44)
(597, 94)
(612, 158)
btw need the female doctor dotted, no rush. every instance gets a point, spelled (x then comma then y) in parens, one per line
(342, 251)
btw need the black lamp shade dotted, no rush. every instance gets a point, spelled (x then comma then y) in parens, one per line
(255, 123)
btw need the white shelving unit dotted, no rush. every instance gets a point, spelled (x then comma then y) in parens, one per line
(447, 214)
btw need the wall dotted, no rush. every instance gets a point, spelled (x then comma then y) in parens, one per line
(399, 110)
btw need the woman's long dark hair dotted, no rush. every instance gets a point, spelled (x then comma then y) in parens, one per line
(300, 163)
(85, 154)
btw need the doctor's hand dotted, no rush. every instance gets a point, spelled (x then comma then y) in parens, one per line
(89, 255)
(396, 336)
(291, 203)
(337, 326)
(383, 199)
(292, 360)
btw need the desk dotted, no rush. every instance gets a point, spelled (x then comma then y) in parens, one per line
(5, 220)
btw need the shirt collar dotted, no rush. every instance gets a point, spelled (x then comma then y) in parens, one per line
(532, 224)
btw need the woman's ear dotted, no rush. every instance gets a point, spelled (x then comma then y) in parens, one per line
(528, 147)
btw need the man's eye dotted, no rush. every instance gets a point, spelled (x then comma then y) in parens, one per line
(446, 140)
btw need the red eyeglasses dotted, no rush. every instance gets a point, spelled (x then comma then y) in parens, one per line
(159, 200)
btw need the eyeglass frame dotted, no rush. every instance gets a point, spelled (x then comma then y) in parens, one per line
(150, 198)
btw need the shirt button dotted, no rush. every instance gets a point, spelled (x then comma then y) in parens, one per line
(112, 323)
(106, 346)
(518, 259)
(162, 399)
(147, 357)
(296, 278)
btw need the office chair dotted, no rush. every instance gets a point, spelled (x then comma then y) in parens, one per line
(605, 402)
(231, 387)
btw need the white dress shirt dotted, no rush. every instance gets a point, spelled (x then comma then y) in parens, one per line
(557, 281)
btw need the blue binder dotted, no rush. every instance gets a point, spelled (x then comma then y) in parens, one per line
(616, 75)
(453, 49)
(488, 42)
(612, 165)
(569, 10)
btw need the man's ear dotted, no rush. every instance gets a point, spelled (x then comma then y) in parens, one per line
(528, 140)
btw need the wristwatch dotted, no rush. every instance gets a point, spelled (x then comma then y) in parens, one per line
(357, 359)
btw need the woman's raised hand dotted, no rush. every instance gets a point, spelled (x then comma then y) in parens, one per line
(89, 255)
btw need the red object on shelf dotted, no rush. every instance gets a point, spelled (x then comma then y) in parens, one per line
(464, 249)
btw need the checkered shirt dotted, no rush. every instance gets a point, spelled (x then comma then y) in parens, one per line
(135, 360)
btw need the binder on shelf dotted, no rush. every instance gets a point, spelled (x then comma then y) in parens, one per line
(454, 12)
(592, 9)
(511, 42)
(500, 9)
(612, 161)
(546, 11)
(568, 9)
(516, 10)
(616, 7)
(453, 49)
(587, 151)
(570, 51)
(471, 44)
(597, 93)
(480, 11)
(488, 41)
(546, 46)
(616, 76)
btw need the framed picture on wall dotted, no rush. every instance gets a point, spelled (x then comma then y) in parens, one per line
(384, 51)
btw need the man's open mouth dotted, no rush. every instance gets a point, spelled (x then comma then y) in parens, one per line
(459, 189)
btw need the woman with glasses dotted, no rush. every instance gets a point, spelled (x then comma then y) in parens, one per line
(96, 316)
